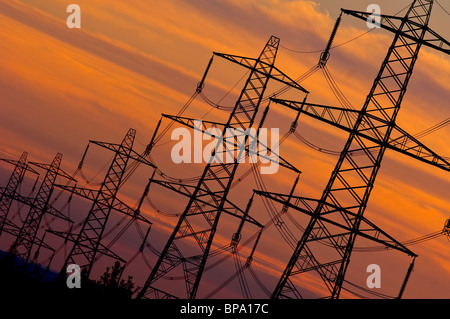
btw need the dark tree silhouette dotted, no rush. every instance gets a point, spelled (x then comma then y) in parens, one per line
(111, 284)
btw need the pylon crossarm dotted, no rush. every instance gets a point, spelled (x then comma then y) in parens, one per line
(54, 212)
(344, 119)
(15, 162)
(9, 161)
(206, 126)
(80, 191)
(117, 205)
(119, 150)
(264, 69)
(339, 117)
(31, 202)
(368, 229)
(187, 190)
(47, 167)
(405, 143)
(123, 208)
(72, 237)
(215, 129)
(391, 23)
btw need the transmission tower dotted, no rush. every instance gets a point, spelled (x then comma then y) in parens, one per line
(446, 229)
(87, 244)
(27, 235)
(199, 223)
(8, 193)
(338, 216)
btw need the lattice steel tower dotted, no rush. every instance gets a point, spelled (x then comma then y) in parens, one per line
(27, 236)
(9, 192)
(338, 216)
(87, 243)
(213, 187)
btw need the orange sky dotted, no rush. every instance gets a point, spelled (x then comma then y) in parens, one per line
(133, 60)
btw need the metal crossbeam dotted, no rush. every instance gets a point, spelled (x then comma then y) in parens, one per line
(103, 250)
(345, 119)
(29, 201)
(249, 149)
(414, 28)
(368, 229)
(118, 205)
(275, 74)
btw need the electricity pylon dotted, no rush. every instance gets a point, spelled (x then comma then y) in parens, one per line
(338, 215)
(87, 243)
(9, 192)
(190, 243)
(27, 235)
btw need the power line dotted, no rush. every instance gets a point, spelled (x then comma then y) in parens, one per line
(445, 10)
(348, 41)
(333, 47)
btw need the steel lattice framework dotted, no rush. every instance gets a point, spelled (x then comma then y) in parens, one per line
(196, 222)
(87, 243)
(337, 217)
(27, 235)
(10, 191)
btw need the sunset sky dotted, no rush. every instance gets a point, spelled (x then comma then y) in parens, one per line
(133, 60)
